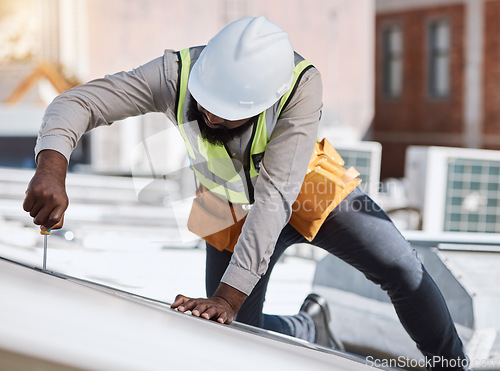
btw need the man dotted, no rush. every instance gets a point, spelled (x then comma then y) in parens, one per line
(248, 109)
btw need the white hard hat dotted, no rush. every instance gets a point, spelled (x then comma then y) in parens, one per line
(243, 70)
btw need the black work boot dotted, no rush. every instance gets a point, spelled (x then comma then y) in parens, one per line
(317, 307)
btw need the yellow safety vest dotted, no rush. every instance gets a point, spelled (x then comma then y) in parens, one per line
(214, 168)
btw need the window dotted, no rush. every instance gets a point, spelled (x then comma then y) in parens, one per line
(392, 61)
(439, 58)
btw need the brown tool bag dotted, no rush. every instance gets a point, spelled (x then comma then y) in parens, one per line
(215, 219)
(326, 184)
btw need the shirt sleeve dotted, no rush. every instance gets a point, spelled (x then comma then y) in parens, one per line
(148, 88)
(281, 175)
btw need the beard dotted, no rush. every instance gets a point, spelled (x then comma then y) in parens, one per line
(219, 136)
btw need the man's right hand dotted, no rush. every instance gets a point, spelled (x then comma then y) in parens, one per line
(46, 199)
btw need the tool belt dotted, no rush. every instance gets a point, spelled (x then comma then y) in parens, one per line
(215, 219)
(326, 184)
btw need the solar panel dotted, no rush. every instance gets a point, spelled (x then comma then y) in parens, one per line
(457, 189)
(365, 157)
(472, 196)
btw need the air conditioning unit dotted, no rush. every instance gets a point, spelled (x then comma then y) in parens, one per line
(365, 157)
(456, 189)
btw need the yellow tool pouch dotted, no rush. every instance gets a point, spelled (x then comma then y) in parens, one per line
(326, 184)
(215, 219)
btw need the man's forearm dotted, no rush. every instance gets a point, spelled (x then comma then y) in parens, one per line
(52, 162)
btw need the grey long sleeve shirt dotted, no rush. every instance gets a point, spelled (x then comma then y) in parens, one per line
(152, 88)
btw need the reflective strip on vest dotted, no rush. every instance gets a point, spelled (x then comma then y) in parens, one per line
(184, 76)
(301, 66)
(213, 166)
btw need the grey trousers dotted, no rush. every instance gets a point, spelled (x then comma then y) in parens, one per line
(359, 232)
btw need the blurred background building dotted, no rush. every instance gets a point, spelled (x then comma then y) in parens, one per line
(43, 51)
(86, 39)
(437, 76)
(396, 74)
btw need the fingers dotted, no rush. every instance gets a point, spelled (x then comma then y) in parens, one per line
(46, 201)
(29, 202)
(179, 299)
(201, 310)
(41, 216)
(55, 220)
(183, 304)
(213, 309)
(59, 224)
(225, 318)
(48, 218)
(214, 313)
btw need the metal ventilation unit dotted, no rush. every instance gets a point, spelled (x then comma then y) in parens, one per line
(365, 157)
(457, 189)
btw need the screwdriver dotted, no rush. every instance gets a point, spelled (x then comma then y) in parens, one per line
(45, 234)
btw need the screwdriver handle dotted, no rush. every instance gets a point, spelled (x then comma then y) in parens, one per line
(46, 233)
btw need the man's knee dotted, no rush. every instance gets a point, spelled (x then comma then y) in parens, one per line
(404, 273)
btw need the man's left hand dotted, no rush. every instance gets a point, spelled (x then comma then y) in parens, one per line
(221, 307)
(215, 308)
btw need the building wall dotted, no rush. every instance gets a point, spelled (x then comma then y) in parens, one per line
(415, 117)
(126, 33)
(91, 38)
(335, 35)
(491, 77)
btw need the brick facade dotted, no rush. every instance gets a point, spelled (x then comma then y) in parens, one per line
(414, 117)
(491, 76)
